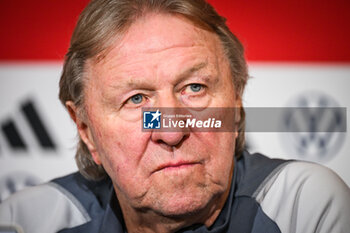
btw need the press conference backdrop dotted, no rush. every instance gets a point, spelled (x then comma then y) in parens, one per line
(298, 55)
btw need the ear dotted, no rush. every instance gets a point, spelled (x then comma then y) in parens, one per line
(84, 130)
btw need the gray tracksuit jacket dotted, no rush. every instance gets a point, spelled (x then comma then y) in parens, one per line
(267, 196)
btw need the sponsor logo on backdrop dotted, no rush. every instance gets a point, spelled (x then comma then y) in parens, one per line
(14, 136)
(326, 124)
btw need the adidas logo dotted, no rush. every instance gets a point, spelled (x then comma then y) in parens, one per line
(17, 137)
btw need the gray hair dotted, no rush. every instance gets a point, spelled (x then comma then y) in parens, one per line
(103, 20)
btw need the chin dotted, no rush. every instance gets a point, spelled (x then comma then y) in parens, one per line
(182, 210)
(184, 204)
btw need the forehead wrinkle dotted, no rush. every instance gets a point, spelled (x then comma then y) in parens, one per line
(122, 49)
(166, 48)
(165, 39)
(132, 84)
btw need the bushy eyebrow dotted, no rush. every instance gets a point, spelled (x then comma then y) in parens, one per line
(133, 83)
(192, 70)
(146, 84)
(209, 77)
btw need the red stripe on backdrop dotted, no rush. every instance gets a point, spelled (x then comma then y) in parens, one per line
(270, 30)
(37, 29)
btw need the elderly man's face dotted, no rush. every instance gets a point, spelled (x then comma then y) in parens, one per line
(162, 61)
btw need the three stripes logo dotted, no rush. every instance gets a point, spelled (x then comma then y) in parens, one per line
(14, 137)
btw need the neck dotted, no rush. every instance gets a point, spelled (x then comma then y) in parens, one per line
(147, 221)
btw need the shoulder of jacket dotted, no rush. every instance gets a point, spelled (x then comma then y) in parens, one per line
(305, 197)
(44, 208)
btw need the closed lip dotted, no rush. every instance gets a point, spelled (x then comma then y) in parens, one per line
(174, 165)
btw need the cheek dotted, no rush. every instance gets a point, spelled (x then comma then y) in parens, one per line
(221, 155)
(121, 152)
(120, 146)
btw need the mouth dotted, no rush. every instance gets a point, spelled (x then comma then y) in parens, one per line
(175, 166)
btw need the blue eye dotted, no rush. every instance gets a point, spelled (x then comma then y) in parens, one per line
(196, 87)
(136, 99)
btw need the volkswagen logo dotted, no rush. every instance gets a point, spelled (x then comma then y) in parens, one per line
(316, 127)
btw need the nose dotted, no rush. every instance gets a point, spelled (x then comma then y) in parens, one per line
(172, 139)
(169, 103)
